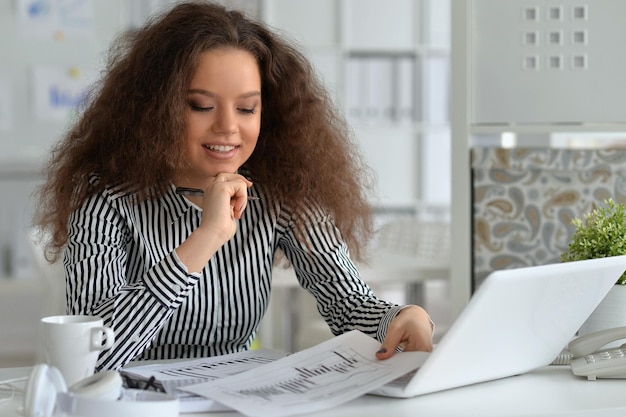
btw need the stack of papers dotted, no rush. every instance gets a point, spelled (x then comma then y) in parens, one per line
(264, 383)
(173, 375)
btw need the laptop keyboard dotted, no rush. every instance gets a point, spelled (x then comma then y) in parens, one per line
(403, 380)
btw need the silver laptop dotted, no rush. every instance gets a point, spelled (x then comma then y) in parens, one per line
(517, 320)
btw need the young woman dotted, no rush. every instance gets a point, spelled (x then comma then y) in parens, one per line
(207, 99)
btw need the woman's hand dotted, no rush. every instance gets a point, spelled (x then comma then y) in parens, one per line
(223, 203)
(411, 329)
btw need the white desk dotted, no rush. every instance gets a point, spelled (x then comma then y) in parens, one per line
(547, 392)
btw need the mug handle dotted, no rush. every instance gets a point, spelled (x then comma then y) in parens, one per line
(109, 338)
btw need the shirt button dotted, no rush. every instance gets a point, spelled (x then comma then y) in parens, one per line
(176, 288)
(136, 338)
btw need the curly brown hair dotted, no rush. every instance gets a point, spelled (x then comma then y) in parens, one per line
(132, 128)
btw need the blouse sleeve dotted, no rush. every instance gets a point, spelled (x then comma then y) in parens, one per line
(97, 284)
(323, 267)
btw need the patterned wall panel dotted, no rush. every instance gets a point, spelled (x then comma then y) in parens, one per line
(524, 200)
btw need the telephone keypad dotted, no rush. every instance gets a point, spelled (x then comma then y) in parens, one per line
(610, 363)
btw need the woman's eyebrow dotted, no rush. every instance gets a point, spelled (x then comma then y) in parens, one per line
(248, 94)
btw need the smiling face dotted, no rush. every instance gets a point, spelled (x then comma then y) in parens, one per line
(223, 119)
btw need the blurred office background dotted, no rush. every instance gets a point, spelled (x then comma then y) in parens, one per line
(489, 123)
(387, 64)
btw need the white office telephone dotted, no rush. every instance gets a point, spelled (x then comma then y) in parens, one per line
(592, 363)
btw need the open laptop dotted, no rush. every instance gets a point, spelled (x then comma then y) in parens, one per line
(517, 320)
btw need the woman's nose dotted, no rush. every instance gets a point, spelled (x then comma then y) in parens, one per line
(225, 121)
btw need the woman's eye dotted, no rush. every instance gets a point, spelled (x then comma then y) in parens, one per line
(247, 111)
(196, 107)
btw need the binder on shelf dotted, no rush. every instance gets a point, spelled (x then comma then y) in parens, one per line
(405, 90)
(380, 89)
(355, 90)
(380, 103)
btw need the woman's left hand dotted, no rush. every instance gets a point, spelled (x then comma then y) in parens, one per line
(411, 329)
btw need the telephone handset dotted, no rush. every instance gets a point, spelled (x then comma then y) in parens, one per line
(593, 363)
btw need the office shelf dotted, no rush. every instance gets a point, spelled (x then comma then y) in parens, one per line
(387, 64)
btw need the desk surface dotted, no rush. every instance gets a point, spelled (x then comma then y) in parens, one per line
(546, 392)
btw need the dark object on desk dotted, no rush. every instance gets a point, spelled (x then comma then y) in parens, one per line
(136, 382)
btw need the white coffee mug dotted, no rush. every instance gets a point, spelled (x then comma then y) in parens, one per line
(72, 344)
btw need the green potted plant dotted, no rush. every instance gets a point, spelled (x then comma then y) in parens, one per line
(602, 233)
(599, 234)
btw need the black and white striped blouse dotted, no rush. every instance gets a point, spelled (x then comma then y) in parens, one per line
(121, 265)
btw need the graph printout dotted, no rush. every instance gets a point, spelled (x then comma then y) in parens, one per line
(324, 376)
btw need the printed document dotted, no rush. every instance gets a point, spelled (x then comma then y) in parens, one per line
(321, 377)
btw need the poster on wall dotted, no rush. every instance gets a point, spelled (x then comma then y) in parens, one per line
(58, 91)
(56, 19)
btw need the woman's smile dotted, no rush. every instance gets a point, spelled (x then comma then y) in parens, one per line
(220, 148)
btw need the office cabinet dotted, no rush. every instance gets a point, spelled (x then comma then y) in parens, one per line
(529, 74)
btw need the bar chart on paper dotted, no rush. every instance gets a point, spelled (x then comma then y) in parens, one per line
(321, 377)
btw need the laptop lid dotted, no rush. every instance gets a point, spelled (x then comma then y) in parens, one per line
(517, 320)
